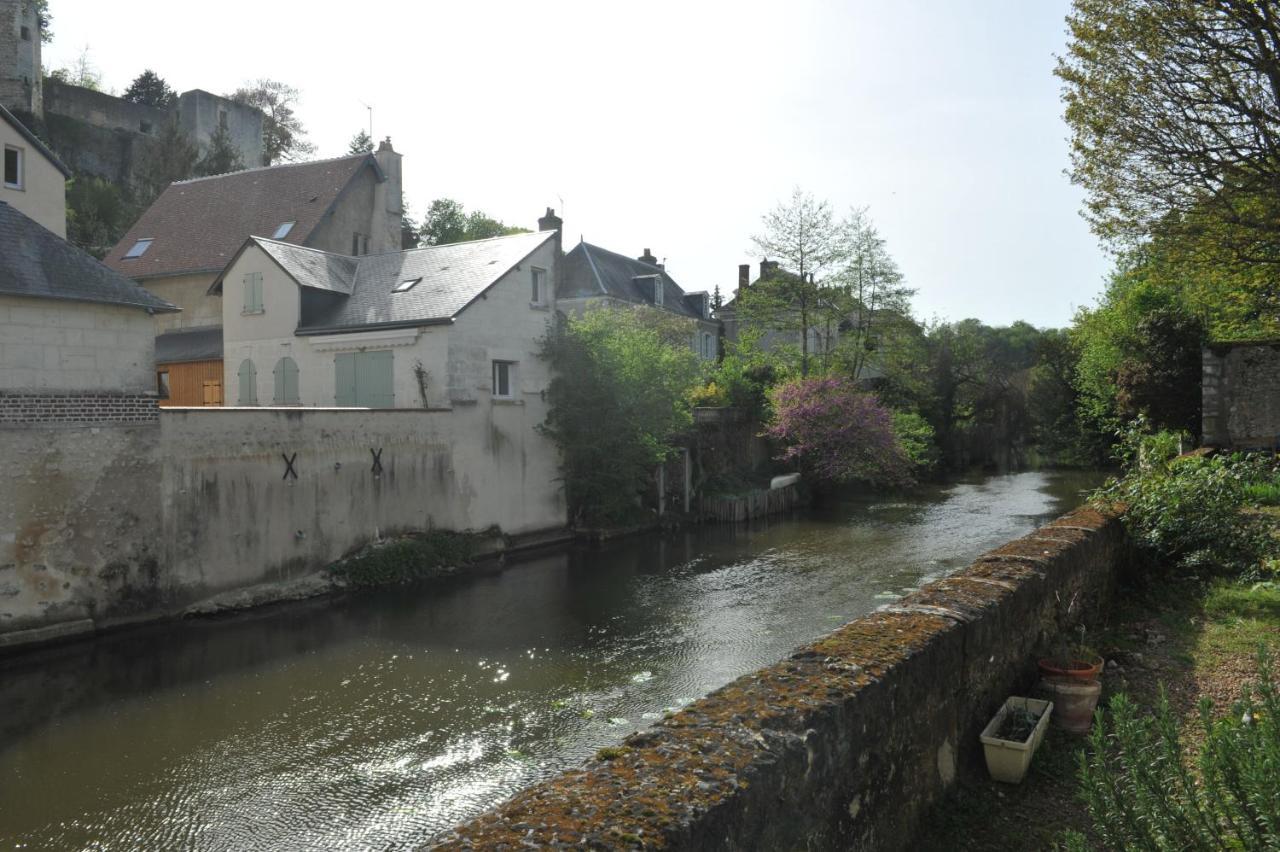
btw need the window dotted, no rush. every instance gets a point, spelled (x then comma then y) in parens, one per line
(359, 244)
(13, 167)
(504, 379)
(253, 293)
(405, 285)
(139, 248)
(26, 33)
(286, 374)
(539, 285)
(283, 230)
(364, 379)
(248, 375)
(657, 290)
(162, 384)
(222, 118)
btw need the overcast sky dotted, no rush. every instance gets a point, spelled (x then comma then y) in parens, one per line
(674, 126)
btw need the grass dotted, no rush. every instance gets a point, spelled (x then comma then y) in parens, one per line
(1196, 638)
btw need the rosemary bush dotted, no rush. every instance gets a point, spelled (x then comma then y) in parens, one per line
(1145, 792)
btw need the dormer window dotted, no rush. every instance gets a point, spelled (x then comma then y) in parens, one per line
(406, 285)
(283, 230)
(139, 248)
(657, 290)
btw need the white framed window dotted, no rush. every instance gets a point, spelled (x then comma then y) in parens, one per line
(657, 290)
(539, 286)
(253, 293)
(504, 379)
(406, 285)
(139, 248)
(13, 177)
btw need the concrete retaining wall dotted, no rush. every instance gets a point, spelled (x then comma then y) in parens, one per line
(846, 744)
(116, 523)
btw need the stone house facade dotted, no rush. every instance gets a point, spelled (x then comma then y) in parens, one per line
(1240, 392)
(596, 277)
(428, 328)
(180, 246)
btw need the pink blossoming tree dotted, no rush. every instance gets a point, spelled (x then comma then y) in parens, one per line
(837, 433)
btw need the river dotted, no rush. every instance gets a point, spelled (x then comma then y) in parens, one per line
(376, 721)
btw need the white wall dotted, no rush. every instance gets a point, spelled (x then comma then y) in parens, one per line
(55, 344)
(456, 358)
(43, 195)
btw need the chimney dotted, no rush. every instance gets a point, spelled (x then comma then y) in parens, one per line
(550, 221)
(768, 268)
(648, 258)
(389, 208)
(744, 276)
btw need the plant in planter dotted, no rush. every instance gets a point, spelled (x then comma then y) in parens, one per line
(1073, 660)
(1071, 677)
(1012, 737)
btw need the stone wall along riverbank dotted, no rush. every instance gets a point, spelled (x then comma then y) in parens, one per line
(847, 743)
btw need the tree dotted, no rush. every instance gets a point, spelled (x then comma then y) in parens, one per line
(1174, 107)
(837, 433)
(173, 157)
(283, 136)
(150, 88)
(806, 239)
(873, 287)
(619, 397)
(361, 143)
(99, 213)
(81, 73)
(447, 221)
(220, 156)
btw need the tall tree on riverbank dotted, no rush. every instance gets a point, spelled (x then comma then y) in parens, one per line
(1174, 107)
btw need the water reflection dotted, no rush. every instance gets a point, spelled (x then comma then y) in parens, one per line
(379, 720)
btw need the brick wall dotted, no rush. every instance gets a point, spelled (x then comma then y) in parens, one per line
(76, 407)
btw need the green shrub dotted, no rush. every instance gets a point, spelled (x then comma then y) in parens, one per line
(1144, 792)
(1187, 511)
(916, 437)
(406, 560)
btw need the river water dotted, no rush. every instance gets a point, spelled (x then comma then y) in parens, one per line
(378, 720)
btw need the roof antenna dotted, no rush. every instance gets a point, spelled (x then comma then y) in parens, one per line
(366, 106)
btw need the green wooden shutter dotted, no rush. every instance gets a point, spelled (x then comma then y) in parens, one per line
(373, 379)
(286, 375)
(344, 372)
(248, 376)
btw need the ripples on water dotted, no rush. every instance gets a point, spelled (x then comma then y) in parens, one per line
(378, 721)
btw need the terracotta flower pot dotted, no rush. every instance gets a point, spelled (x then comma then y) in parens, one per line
(1078, 670)
(1074, 702)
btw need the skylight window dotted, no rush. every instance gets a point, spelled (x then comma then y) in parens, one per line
(405, 285)
(283, 231)
(139, 248)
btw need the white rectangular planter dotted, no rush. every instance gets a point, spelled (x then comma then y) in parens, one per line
(1007, 760)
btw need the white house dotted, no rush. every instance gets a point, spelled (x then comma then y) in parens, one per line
(433, 327)
(34, 181)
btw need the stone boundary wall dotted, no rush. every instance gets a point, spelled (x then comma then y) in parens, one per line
(846, 744)
(1240, 395)
(76, 407)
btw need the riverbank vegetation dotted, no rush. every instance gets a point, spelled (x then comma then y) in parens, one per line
(407, 559)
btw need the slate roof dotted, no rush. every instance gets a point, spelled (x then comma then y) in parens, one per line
(589, 271)
(35, 142)
(189, 344)
(198, 225)
(36, 262)
(452, 277)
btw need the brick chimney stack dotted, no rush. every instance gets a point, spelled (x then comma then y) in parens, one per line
(768, 268)
(744, 276)
(648, 258)
(388, 199)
